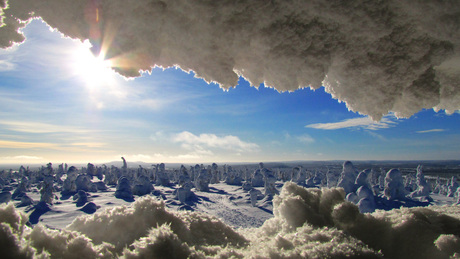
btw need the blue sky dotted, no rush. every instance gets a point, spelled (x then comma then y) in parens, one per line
(53, 108)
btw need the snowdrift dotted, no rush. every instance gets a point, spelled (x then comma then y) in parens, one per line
(310, 223)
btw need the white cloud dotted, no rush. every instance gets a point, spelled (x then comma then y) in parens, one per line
(157, 136)
(431, 130)
(39, 127)
(198, 143)
(6, 65)
(153, 104)
(362, 122)
(19, 144)
(89, 144)
(21, 157)
(375, 135)
(306, 139)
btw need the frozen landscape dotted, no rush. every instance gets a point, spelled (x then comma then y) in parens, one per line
(370, 89)
(313, 210)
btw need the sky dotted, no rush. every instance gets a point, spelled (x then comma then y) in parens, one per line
(59, 104)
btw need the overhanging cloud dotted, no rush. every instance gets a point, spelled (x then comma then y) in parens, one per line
(376, 56)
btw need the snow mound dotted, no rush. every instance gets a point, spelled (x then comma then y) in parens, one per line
(307, 223)
(376, 56)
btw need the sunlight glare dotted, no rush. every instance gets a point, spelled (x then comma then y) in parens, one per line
(95, 71)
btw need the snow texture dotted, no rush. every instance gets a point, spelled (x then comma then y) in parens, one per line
(376, 56)
(307, 223)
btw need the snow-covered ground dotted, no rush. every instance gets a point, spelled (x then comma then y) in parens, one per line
(236, 220)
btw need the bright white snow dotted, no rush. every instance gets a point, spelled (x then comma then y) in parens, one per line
(226, 219)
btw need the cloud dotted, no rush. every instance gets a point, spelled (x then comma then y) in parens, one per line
(306, 139)
(89, 144)
(39, 127)
(362, 122)
(6, 66)
(198, 143)
(157, 136)
(431, 130)
(153, 104)
(378, 56)
(21, 157)
(18, 144)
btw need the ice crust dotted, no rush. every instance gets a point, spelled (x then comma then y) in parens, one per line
(307, 223)
(376, 56)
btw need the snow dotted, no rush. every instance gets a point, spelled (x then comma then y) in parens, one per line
(375, 56)
(228, 220)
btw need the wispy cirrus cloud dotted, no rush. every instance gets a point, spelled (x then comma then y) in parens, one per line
(430, 131)
(305, 139)
(6, 65)
(21, 157)
(39, 127)
(89, 144)
(362, 123)
(18, 144)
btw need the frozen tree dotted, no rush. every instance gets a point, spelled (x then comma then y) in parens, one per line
(332, 179)
(309, 183)
(295, 173)
(301, 177)
(70, 186)
(124, 168)
(162, 177)
(362, 179)
(438, 185)
(91, 170)
(202, 181)
(352, 197)
(318, 178)
(269, 182)
(423, 188)
(215, 177)
(381, 180)
(142, 186)
(366, 199)
(47, 190)
(83, 182)
(347, 177)
(184, 193)
(452, 187)
(184, 176)
(258, 178)
(123, 190)
(111, 176)
(23, 187)
(233, 177)
(253, 194)
(81, 198)
(394, 185)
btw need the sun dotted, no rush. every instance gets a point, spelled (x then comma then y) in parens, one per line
(95, 71)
